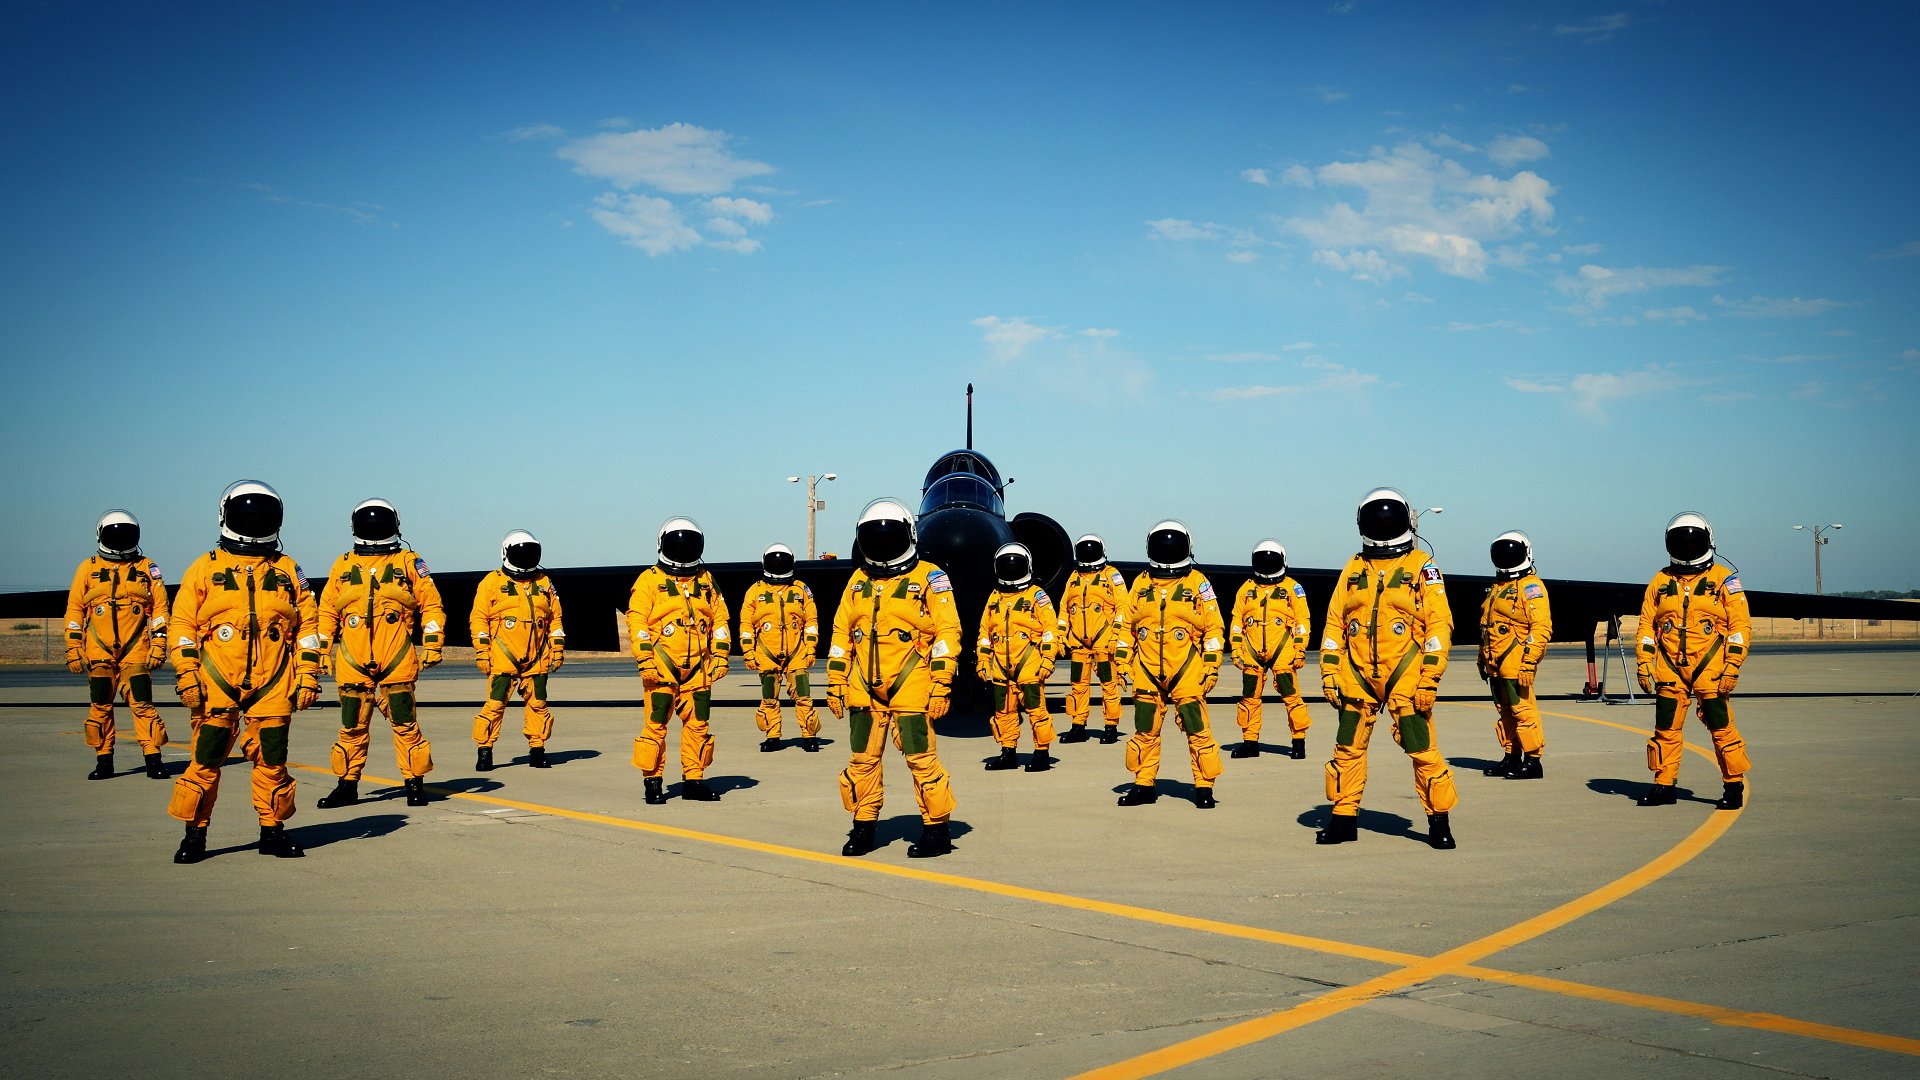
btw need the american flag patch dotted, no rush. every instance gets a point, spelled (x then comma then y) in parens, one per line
(1734, 586)
(1535, 592)
(1206, 591)
(937, 581)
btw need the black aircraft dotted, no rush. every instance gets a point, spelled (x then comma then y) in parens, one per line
(962, 521)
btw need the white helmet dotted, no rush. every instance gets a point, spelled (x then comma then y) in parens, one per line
(680, 544)
(376, 527)
(1090, 552)
(250, 516)
(1690, 540)
(520, 553)
(1169, 545)
(885, 536)
(776, 563)
(1385, 518)
(117, 535)
(1269, 561)
(1013, 566)
(1512, 555)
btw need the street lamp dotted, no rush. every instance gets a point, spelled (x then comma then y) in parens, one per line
(813, 504)
(1818, 542)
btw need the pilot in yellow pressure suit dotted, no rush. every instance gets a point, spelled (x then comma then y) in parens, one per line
(677, 620)
(896, 639)
(518, 640)
(1385, 649)
(1694, 630)
(1175, 639)
(1515, 626)
(1015, 655)
(779, 633)
(116, 637)
(374, 598)
(1090, 628)
(246, 650)
(1269, 638)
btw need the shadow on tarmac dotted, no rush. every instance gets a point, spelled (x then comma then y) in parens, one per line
(1374, 821)
(465, 785)
(1472, 764)
(907, 827)
(722, 784)
(322, 833)
(1633, 789)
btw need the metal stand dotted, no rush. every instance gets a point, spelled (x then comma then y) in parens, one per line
(1614, 647)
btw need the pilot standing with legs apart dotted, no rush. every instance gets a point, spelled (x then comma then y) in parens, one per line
(518, 641)
(246, 652)
(1269, 639)
(890, 667)
(1176, 633)
(117, 638)
(1090, 629)
(1694, 629)
(375, 597)
(779, 633)
(1014, 656)
(677, 621)
(1516, 624)
(1387, 632)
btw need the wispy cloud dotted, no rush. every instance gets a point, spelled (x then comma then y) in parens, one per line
(1256, 176)
(1769, 307)
(1180, 229)
(363, 213)
(1327, 95)
(1597, 29)
(653, 225)
(1320, 375)
(675, 161)
(1679, 316)
(1085, 362)
(1593, 287)
(1497, 324)
(1905, 251)
(1008, 338)
(1591, 393)
(679, 159)
(527, 132)
(1510, 150)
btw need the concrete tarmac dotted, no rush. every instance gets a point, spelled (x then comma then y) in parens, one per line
(547, 923)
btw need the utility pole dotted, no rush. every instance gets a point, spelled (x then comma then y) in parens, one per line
(1819, 541)
(813, 505)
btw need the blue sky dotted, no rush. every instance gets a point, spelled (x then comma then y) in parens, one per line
(1568, 268)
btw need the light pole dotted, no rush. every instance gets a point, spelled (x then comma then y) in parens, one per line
(813, 504)
(1818, 542)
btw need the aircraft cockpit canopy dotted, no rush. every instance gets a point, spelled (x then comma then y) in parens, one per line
(963, 478)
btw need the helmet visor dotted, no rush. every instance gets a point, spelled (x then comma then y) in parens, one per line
(1688, 543)
(375, 523)
(777, 563)
(254, 515)
(883, 541)
(1090, 551)
(1012, 566)
(1168, 546)
(1269, 563)
(1385, 520)
(522, 556)
(120, 536)
(1508, 554)
(683, 546)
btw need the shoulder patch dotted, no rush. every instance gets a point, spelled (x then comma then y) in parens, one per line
(420, 567)
(1040, 597)
(299, 575)
(1430, 574)
(1535, 592)
(937, 581)
(1118, 581)
(1299, 589)
(1734, 586)
(1206, 590)
(153, 570)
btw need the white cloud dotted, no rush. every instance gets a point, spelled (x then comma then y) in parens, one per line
(1099, 332)
(1256, 176)
(1905, 251)
(1009, 338)
(1448, 142)
(615, 123)
(1681, 315)
(1497, 324)
(1592, 393)
(1593, 287)
(1767, 307)
(1582, 250)
(1242, 257)
(758, 213)
(526, 132)
(652, 225)
(1180, 229)
(1326, 376)
(1510, 150)
(679, 159)
(1417, 207)
(1297, 176)
(1597, 29)
(1328, 95)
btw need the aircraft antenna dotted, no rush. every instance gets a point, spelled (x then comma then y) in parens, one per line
(969, 416)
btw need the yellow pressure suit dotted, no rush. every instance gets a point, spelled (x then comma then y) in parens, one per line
(246, 652)
(1694, 630)
(117, 636)
(891, 662)
(1014, 655)
(368, 611)
(1516, 624)
(1269, 638)
(680, 639)
(1385, 649)
(1174, 634)
(779, 633)
(518, 640)
(1090, 628)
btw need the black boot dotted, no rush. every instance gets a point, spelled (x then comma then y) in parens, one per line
(537, 758)
(483, 761)
(769, 745)
(1203, 798)
(698, 791)
(1299, 749)
(860, 840)
(1041, 761)
(1109, 735)
(1659, 795)
(102, 767)
(656, 790)
(1529, 769)
(1247, 748)
(934, 842)
(1506, 766)
(344, 793)
(1439, 833)
(1339, 829)
(193, 847)
(416, 791)
(1139, 795)
(274, 841)
(155, 770)
(810, 744)
(1076, 733)
(1734, 797)
(1006, 760)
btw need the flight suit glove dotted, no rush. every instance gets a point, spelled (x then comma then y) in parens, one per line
(939, 701)
(75, 663)
(1525, 680)
(1645, 675)
(1209, 682)
(306, 691)
(326, 658)
(1424, 698)
(557, 648)
(837, 700)
(429, 656)
(1330, 690)
(187, 685)
(482, 654)
(157, 652)
(1727, 682)
(716, 669)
